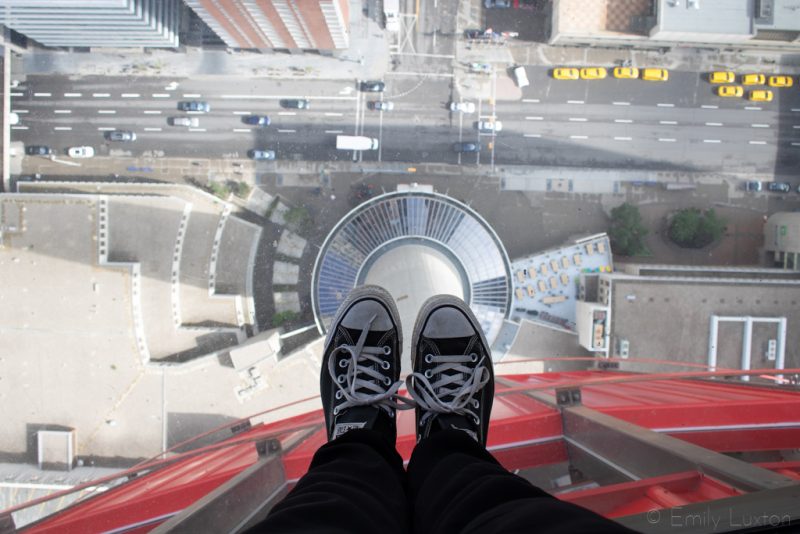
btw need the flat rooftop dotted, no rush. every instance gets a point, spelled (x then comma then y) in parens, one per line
(669, 320)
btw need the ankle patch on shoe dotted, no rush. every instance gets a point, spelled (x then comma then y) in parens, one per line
(342, 428)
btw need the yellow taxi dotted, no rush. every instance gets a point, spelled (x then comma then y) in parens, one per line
(754, 79)
(593, 73)
(655, 75)
(780, 81)
(566, 73)
(626, 73)
(760, 95)
(730, 90)
(721, 76)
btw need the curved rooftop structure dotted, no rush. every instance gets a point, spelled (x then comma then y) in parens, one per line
(416, 245)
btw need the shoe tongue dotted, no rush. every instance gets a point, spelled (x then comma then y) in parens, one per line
(360, 417)
(447, 421)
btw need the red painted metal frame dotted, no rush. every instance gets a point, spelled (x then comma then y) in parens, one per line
(525, 433)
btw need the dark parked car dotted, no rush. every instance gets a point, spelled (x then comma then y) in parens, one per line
(752, 186)
(466, 147)
(372, 86)
(380, 105)
(260, 155)
(120, 135)
(38, 150)
(779, 187)
(295, 103)
(256, 120)
(194, 105)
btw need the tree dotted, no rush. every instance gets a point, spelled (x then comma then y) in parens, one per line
(627, 232)
(281, 318)
(691, 228)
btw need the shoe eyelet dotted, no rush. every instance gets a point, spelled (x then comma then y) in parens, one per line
(429, 358)
(385, 365)
(338, 394)
(340, 379)
(477, 420)
(473, 357)
(387, 381)
(391, 413)
(343, 363)
(476, 403)
(336, 411)
(387, 350)
(428, 373)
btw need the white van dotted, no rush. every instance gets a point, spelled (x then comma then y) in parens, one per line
(391, 11)
(356, 142)
(521, 76)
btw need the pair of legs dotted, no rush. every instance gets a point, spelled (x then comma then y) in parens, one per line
(356, 482)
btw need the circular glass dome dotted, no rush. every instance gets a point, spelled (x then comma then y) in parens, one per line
(415, 245)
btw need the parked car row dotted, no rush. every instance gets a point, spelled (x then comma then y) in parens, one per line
(600, 73)
(774, 187)
(76, 152)
(777, 80)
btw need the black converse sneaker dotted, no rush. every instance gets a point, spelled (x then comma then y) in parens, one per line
(453, 380)
(361, 365)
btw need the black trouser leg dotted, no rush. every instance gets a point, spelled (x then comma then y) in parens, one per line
(456, 486)
(356, 483)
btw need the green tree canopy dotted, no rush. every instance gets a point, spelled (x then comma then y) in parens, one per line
(627, 232)
(692, 228)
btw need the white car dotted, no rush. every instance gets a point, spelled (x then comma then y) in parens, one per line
(191, 122)
(489, 126)
(521, 77)
(80, 152)
(463, 107)
(13, 118)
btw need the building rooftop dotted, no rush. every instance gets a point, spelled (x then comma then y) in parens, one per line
(778, 15)
(669, 319)
(728, 17)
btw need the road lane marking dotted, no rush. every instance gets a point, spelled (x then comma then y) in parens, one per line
(152, 112)
(284, 97)
(711, 141)
(793, 144)
(287, 131)
(152, 129)
(131, 95)
(667, 139)
(333, 114)
(759, 125)
(796, 126)
(42, 94)
(662, 105)
(197, 129)
(531, 100)
(195, 112)
(160, 95)
(19, 111)
(534, 118)
(242, 113)
(242, 130)
(106, 128)
(623, 120)
(621, 103)
(192, 95)
(713, 124)
(106, 111)
(19, 127)
(795, 109)
(707, 106)
(623, 138)
(668, 122)
(753, 108)
(62, 127)
(334, 131)
(758, 142)
(17, 94)
(101, 95)
(575, 102)
(531, 135)
(62, 111)
(578, 137)
(73, 95)
(287, 113)
(578, 119)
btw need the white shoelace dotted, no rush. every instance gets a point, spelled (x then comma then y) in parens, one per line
(456, 381)
(362, 375)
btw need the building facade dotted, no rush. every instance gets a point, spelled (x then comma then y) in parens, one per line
(283, 24)
(782, 240)
(95, 23)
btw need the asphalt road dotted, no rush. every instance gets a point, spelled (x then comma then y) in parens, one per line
(679, 124)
